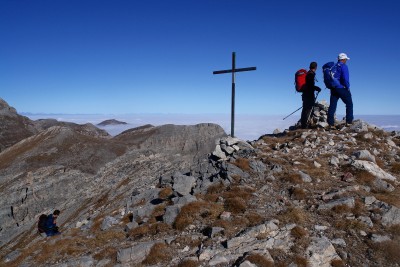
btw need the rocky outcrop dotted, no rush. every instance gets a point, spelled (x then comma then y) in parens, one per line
(174, 138)
(13, 127)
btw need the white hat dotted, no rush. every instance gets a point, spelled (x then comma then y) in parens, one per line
(343, 56)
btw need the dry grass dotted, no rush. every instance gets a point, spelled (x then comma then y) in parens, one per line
(302, 241)
(293, 215)
(394, 230)
(123, 183)
(392, 198)
(298, 193)
(157, 213)
(188, 263)
(364, 178)
(216, 188)
(198, 210)
(395, 168)
(341, 209)
(165, 193)
(102, 201)
(237, 198)
(97, 224)
(260, 260)
(279, 256)
(388, 251)
(301, 261)
(243, 164)
(234, 226)
(239, 191)
(292, 178)
(318, 172)
(159, 253)
(346, 225)
(77, 246)
(337, 263)
(235, 205)
(299, 232)
(187, 240)
(107, 253)
(146, 230)
(104, 237)
(254, 219)
(214, 192)
(359, 208)
(28, 250)
(127, 218)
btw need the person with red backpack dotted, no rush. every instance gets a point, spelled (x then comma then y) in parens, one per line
(308, 96)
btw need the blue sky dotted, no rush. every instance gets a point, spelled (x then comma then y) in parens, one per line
(119, 57)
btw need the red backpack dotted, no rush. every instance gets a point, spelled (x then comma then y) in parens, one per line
(300, 79)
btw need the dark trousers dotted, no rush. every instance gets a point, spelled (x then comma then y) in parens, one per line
(345, 95)
(308, 103)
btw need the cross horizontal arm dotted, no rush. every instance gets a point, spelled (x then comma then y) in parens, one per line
(236, 70)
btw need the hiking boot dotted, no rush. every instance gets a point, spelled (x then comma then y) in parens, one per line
(348, 124)
(332, 127)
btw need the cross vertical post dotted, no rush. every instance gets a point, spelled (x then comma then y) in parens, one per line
(233, 71)
(233, 95)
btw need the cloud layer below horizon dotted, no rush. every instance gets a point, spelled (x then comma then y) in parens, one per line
(247, 127)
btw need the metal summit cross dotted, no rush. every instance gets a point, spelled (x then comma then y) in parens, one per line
(233, 71)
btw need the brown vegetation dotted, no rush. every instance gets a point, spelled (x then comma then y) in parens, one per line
(388, 251)
(243, 164)
(301, 261)
(298, 193)
(235, 205)
(337, 263)
(299, 232)
(188, 263)
(199, 210)
(146, 230)
(292, 177)
(395, 168)
(165, 193)
(260, 260)
(159, 253)
(294, 215)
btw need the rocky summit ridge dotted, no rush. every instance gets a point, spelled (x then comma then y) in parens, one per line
(193, 196)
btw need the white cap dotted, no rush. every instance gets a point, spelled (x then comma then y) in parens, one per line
(343, 56)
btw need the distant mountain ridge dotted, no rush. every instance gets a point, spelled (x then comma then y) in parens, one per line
(111, 122)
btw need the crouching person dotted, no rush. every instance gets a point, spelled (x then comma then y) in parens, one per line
(51, 227)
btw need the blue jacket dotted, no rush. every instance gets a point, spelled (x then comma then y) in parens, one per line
(342, 75)
(50, 222)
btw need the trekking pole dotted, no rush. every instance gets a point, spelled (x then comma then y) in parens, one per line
(293, 112)
(312, 110)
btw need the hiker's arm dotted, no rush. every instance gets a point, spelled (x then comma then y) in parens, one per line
(345, 76)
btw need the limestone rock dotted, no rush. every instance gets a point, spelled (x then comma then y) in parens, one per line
(183, 184)
(391, 217)
(364, 155)
(373, 169)
(350, 202)
(134, 254)
(321, 252)
(108, 222)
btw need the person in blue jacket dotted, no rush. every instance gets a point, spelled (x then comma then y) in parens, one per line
(51, 224)
(342, 91)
